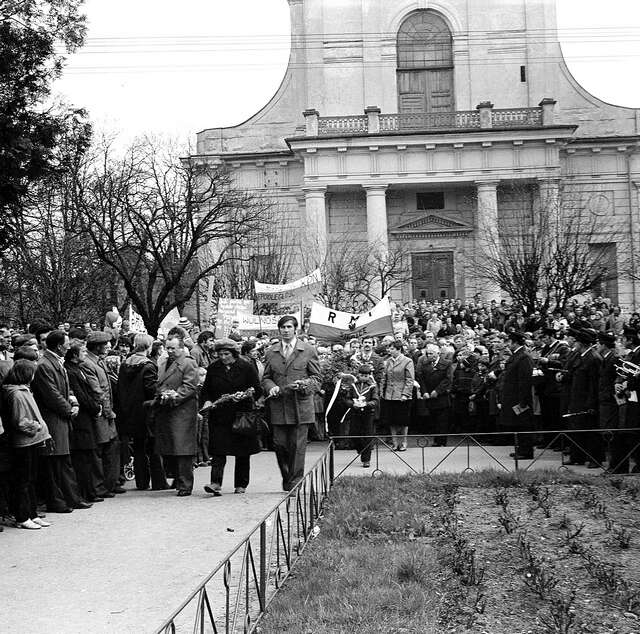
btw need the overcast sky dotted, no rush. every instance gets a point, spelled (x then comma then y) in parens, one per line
(177, 68)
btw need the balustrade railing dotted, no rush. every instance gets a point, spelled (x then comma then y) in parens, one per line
(410, 122)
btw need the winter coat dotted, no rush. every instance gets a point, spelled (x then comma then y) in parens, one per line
(104, 423)
(51, 390)
(82, 436)
(292, 407)
(517, 380)
(239, 377)
(397, 379)
(25, 425)
(137, 380)
(176, 420)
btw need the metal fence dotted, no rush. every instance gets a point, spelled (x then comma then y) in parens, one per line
(235, 595)
(611, 451)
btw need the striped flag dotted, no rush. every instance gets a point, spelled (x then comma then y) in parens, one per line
(333, 325)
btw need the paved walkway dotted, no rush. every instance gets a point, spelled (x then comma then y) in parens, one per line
(126, 564)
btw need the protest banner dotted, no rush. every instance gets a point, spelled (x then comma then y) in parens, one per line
(296, 291)
(136, 324)
(333, 325)
(252, 324)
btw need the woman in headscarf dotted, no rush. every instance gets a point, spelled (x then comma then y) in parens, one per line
(231, 386)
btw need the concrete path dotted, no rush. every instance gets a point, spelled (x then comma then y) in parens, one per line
(126, 564)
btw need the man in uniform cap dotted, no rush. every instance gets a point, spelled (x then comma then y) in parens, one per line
(582, 378)
(107, 465)
(516, 400)
(607, 405)
(553, 357)
(624, 444)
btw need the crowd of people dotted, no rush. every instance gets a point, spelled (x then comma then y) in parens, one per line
(77, 403)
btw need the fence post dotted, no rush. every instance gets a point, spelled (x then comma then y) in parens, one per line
(263, 566)
(331, 465)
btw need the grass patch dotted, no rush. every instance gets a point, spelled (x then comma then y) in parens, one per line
(431, 555)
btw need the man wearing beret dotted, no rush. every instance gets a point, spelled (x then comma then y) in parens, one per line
(582, 377)
(516, 412)
(107, 469)
(291, 378)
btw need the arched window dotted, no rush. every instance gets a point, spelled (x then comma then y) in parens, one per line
(425, 64)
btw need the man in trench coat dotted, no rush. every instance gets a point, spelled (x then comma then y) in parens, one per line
(176, 412)
(291, 378)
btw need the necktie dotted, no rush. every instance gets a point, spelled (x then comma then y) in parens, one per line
(287, 350)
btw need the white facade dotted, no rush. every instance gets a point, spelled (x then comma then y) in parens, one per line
(402, 121)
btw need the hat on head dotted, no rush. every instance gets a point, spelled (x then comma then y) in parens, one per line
(183, 322)
(518, 337)
(365, 368)
(607, 338)
(226, 344)
(98, 337)
(584, 335)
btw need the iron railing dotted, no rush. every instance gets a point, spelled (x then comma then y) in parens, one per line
(235, 595)
(550, 443)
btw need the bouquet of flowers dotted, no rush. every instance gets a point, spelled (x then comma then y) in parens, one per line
(233, 397)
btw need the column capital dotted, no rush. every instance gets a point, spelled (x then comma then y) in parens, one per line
(314, 190)
(375, 187)
(488, 184)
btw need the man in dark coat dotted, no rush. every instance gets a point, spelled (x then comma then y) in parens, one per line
(107, 465)
(553, 357)
(607, 405)
(176, 412)
(137, 380)
(582, 376)
(516, 398)
(435, 374)
(291, 378)
(57, 405)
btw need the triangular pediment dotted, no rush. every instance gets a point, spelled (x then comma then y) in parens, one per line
(431, 224)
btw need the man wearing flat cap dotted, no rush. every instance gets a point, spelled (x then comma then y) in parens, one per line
(582, 377)
(107, 471)
(516, 402)
(291, 378)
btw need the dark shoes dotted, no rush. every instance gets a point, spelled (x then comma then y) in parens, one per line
(366, 465)
(521, 456)
(59, 509)
(96, 499)
(240, 490)
(183, 493)
(118, 490)
(214, 488)
(82, 505)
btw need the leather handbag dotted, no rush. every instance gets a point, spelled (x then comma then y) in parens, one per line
(246, 423)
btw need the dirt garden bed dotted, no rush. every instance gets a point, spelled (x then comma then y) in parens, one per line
(501, 554)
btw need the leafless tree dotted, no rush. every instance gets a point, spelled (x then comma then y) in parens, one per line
(151, 215)
(547, 251)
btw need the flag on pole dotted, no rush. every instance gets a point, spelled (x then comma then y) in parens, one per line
(297, 290)
(333, 325)
(136, 323)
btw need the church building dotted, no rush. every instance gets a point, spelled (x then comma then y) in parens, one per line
(412, 123)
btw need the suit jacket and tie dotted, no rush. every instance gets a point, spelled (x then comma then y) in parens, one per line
(517, 380)
(51, 390)
(104, 423)
(292, 407)
(176, 423)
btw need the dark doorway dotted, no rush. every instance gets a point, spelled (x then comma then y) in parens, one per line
(433, 276)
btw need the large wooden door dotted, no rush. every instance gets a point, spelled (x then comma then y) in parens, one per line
(433, 275)
(425, 91)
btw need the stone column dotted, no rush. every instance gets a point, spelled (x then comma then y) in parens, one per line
(315, 220)
(377, 231)
(549, 192)
(488, 241)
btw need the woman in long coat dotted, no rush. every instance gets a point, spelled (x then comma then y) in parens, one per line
(229, 374)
